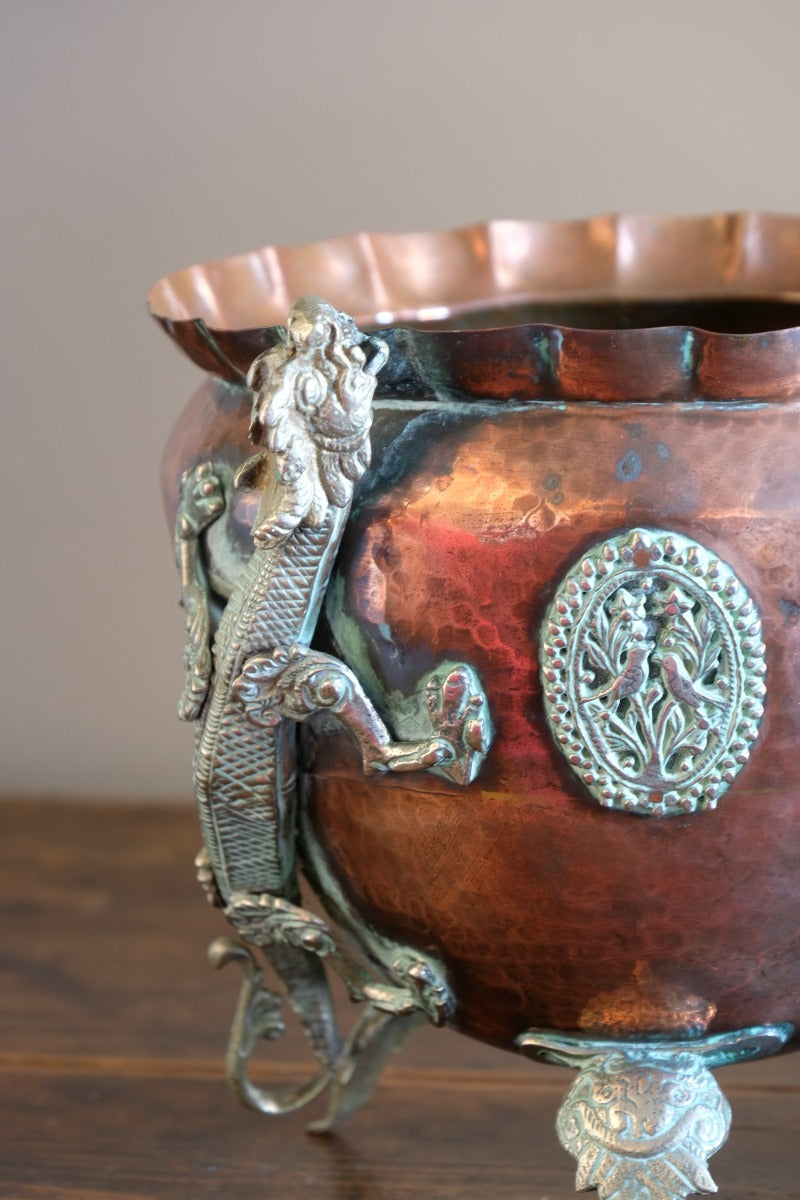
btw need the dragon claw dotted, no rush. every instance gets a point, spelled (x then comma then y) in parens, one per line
(459, 714)
(202, 499)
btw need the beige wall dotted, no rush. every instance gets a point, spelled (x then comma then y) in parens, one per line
(140, 137)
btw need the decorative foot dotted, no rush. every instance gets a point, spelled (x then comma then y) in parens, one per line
(643, 1118)
(384, 1025)
(258, 1018)
(414, 982)
(375, 1037)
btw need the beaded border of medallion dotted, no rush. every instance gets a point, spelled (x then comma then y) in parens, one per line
(652, 667)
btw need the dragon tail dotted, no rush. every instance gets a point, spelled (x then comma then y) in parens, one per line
(308, 991)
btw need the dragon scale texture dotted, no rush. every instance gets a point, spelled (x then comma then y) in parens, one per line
(244, 775)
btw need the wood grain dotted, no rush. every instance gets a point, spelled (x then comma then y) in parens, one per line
(112, 1032)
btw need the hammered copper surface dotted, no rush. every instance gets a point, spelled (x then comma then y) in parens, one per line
(546, 909)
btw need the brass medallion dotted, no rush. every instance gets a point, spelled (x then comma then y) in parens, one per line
(653, 673)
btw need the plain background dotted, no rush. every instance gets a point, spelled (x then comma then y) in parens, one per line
(138, 138)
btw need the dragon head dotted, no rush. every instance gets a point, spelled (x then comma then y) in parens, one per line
(312, 411)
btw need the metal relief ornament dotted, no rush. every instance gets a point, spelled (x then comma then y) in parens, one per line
(671, 1104)
(643, 1118)
(251, 681)
(653, 673)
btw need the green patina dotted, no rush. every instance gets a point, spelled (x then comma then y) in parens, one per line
(687, 352)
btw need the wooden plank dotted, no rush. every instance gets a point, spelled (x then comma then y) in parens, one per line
(69, 1136)
(112, 1032)
(104, 939)
(104, 936)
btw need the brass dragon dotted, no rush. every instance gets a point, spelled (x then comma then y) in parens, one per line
(251, 680)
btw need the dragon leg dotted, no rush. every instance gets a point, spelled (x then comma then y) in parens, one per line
(298, 682)
(204, 496)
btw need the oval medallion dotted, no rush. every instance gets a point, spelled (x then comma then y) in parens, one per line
(653, 673)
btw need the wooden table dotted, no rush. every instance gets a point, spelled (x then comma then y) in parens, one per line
(112, 1036)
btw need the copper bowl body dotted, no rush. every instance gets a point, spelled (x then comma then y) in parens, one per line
(550, 386)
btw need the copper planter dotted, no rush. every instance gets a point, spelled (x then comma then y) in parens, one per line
(584, 486)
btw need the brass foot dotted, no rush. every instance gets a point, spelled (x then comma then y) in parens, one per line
(643, 1118)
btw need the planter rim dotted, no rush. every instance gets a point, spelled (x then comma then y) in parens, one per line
(224, 312)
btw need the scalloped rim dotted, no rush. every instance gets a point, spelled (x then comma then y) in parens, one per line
(393, 278)
(222, 314)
